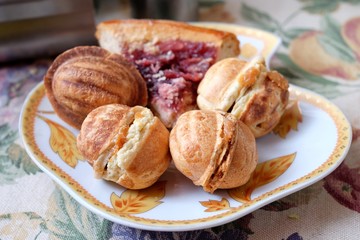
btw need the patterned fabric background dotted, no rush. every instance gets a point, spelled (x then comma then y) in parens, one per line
(320, 51)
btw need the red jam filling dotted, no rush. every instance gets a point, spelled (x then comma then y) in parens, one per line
(174, 70)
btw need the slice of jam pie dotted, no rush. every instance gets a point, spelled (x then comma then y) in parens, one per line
(173, 57)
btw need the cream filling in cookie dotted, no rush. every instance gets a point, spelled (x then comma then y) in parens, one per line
(221, 158)
(246, 93)
(112, 164)
(241, 83)
(143, 120)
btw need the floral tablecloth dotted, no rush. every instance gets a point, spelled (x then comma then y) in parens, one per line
(320, 51)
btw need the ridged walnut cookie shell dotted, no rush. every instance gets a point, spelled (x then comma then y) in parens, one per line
(86, 77)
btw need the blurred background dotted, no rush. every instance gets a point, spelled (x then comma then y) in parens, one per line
(33, 28)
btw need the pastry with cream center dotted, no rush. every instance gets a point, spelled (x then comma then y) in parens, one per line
(126, 145)
(213, 149)
(256, 96)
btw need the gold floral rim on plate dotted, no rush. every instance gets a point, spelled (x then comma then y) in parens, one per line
(30, 115)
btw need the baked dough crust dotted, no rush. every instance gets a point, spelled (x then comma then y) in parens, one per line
(249, 91)
(213, 149)
(114, 35)
(86, 77)
(126, 145)
(126, 36)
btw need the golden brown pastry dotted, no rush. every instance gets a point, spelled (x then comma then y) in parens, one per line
(213, 149)
(117, 35)
(249, 91)
(86, 77)
(172, 56)
(126, 145)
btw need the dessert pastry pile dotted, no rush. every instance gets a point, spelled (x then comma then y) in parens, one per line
(157, 90)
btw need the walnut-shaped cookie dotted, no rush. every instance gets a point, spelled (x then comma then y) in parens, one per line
(86, 77)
